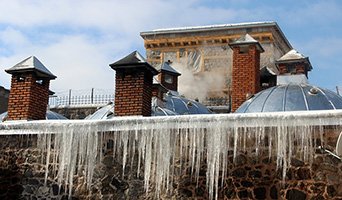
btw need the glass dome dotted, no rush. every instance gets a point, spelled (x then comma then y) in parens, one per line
(50, 115)
(173, 104)
(292, 97)
(184, 106)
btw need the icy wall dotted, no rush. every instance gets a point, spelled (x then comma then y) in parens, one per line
(210, 156)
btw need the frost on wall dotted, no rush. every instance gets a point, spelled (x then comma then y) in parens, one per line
(162, 142)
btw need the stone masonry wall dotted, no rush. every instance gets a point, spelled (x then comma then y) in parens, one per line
(76, 112)
(22, 173)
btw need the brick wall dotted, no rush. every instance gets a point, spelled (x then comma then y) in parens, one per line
(292, 68)
(245, 74)
(28, 99)
(282, 69)
(155, 92)
(133, 92)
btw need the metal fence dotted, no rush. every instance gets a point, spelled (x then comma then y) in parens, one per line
(104, 96)
(81, 97)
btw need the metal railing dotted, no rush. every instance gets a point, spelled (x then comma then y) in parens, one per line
(81, 97)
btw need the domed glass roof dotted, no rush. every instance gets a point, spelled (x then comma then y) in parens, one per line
(173, 104)
(292, 97)
(184, 106)
(50, 115)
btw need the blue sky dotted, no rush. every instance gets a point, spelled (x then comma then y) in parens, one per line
(77, 39)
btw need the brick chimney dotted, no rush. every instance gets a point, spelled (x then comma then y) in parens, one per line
(158, 90)
(133, 85)
(29, 94)
(293, 63)
(246, 69)
(168, 76)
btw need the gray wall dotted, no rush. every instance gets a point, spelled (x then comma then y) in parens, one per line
(4, 93)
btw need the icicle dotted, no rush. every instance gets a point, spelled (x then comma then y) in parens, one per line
(48, 152)
(163, 142)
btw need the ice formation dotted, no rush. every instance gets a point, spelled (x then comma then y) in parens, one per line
(161, 141)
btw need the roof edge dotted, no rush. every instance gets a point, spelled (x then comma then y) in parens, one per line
(146, 65)
(207, 27)
(37, 71)
(218, 27)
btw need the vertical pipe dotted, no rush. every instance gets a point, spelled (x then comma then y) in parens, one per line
(92, 95)
(69, 96)
(337, 90)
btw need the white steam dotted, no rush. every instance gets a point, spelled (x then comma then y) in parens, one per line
(199, 85)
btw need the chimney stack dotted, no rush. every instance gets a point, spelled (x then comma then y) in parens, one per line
(293, 63)
(168, 76)
(29, 94)
(246, 69)
(133, 85)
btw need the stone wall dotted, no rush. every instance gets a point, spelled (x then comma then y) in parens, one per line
(251, 178)
(75, 112)
(22, 172)
(22, 175)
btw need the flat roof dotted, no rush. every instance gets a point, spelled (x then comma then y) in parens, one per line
(216, 27)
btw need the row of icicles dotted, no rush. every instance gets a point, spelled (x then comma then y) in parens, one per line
(157, 143)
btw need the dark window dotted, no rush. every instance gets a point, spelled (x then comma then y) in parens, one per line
(168, 79)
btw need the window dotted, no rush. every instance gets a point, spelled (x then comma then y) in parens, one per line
(39, 81)
(20, 78)
(168, 79)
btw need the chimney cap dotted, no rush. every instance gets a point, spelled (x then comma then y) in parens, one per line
(246, 40)
(167, 68)
(31, 64)
(133, 60)
(294, 56)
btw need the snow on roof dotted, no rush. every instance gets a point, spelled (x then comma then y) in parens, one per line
(31, 64)
(292, 55)
(295, 56)
(211, 27)
(133, 60)
(166, 67)
(245, 40)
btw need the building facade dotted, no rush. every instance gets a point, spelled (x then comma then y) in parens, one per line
(204, 54)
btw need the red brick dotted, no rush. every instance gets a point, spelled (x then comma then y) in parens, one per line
(245, 74)
(28, 100)
(133, 93)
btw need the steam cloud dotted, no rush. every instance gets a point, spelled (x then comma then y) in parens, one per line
(197, 86)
